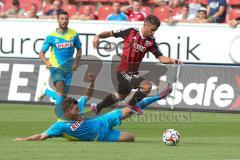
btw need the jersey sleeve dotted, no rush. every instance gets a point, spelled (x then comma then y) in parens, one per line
(56, 130)
(77, 42)
(123, 33)
(47, 43)
(82, 103)
(155, 50)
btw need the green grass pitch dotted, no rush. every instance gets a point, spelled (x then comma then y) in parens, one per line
(204, 136)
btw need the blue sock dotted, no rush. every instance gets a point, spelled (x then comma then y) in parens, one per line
(53, 94)
(148, 100)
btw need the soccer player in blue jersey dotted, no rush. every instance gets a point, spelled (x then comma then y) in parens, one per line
(78, 127)
(61, 63)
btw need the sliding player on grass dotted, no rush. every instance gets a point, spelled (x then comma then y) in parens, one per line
(75, 125)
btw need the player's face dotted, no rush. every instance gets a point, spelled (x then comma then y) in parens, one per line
(74, 110)
(63, 21)
(72, 113)
(149, 29)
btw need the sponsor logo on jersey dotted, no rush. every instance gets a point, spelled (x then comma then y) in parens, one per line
(139, 47)
(77, 124)
(64, 45)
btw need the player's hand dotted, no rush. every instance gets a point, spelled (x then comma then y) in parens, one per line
(91, 77)
(95, 41)
(48, 65)
(175, 61)
(74, 66)
(19, 139)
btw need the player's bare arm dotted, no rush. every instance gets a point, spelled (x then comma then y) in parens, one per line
(77, 59)
(89, 91)
(44, 60)
(103, 35)
(167, 60)
(36, 137)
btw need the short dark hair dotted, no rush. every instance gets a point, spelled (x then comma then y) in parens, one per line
(15, 3)
(185, 6)
(68, 103)
(153, 20)
(62, 12)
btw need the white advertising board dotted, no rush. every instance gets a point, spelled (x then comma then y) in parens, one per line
(197, 43)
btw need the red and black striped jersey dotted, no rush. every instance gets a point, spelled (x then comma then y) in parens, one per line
(134, 49)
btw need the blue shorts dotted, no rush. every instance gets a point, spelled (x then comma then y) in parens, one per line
(58, 74)
(110, 120)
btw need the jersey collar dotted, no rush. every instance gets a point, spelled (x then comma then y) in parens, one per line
(62, 33)
(140, 32)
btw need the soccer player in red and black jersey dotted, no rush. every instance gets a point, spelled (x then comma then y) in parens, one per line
(136, 44)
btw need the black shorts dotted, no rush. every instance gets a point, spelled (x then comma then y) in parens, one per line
(127, 82)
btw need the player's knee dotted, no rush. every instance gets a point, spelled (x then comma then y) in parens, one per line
(119, 97)
(146, 86)
(131, 137)
(60, 87)
(126, 137)
(116, 97)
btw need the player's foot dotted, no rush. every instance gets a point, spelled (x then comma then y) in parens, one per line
(41, 93)
(93, 107)
(166, 91)
(136, 110)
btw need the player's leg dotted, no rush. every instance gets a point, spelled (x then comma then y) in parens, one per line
(82, 103)
(148, 100)
(60, 91)
(67, 82)
(127, 112)
(115, 117)
(143, 89)
(58, 79)
(124, 88)
(52, 94)
(119, 136)
(108, 101)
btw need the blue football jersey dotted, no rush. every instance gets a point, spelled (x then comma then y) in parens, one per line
(62, 47)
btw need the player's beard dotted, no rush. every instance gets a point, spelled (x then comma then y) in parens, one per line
(63, 26)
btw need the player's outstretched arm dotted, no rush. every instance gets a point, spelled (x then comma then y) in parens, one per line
(103, 35)
(89, 91)
(36, 137)
(164, 59)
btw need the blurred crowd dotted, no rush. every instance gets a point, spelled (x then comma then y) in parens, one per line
(169, 11)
